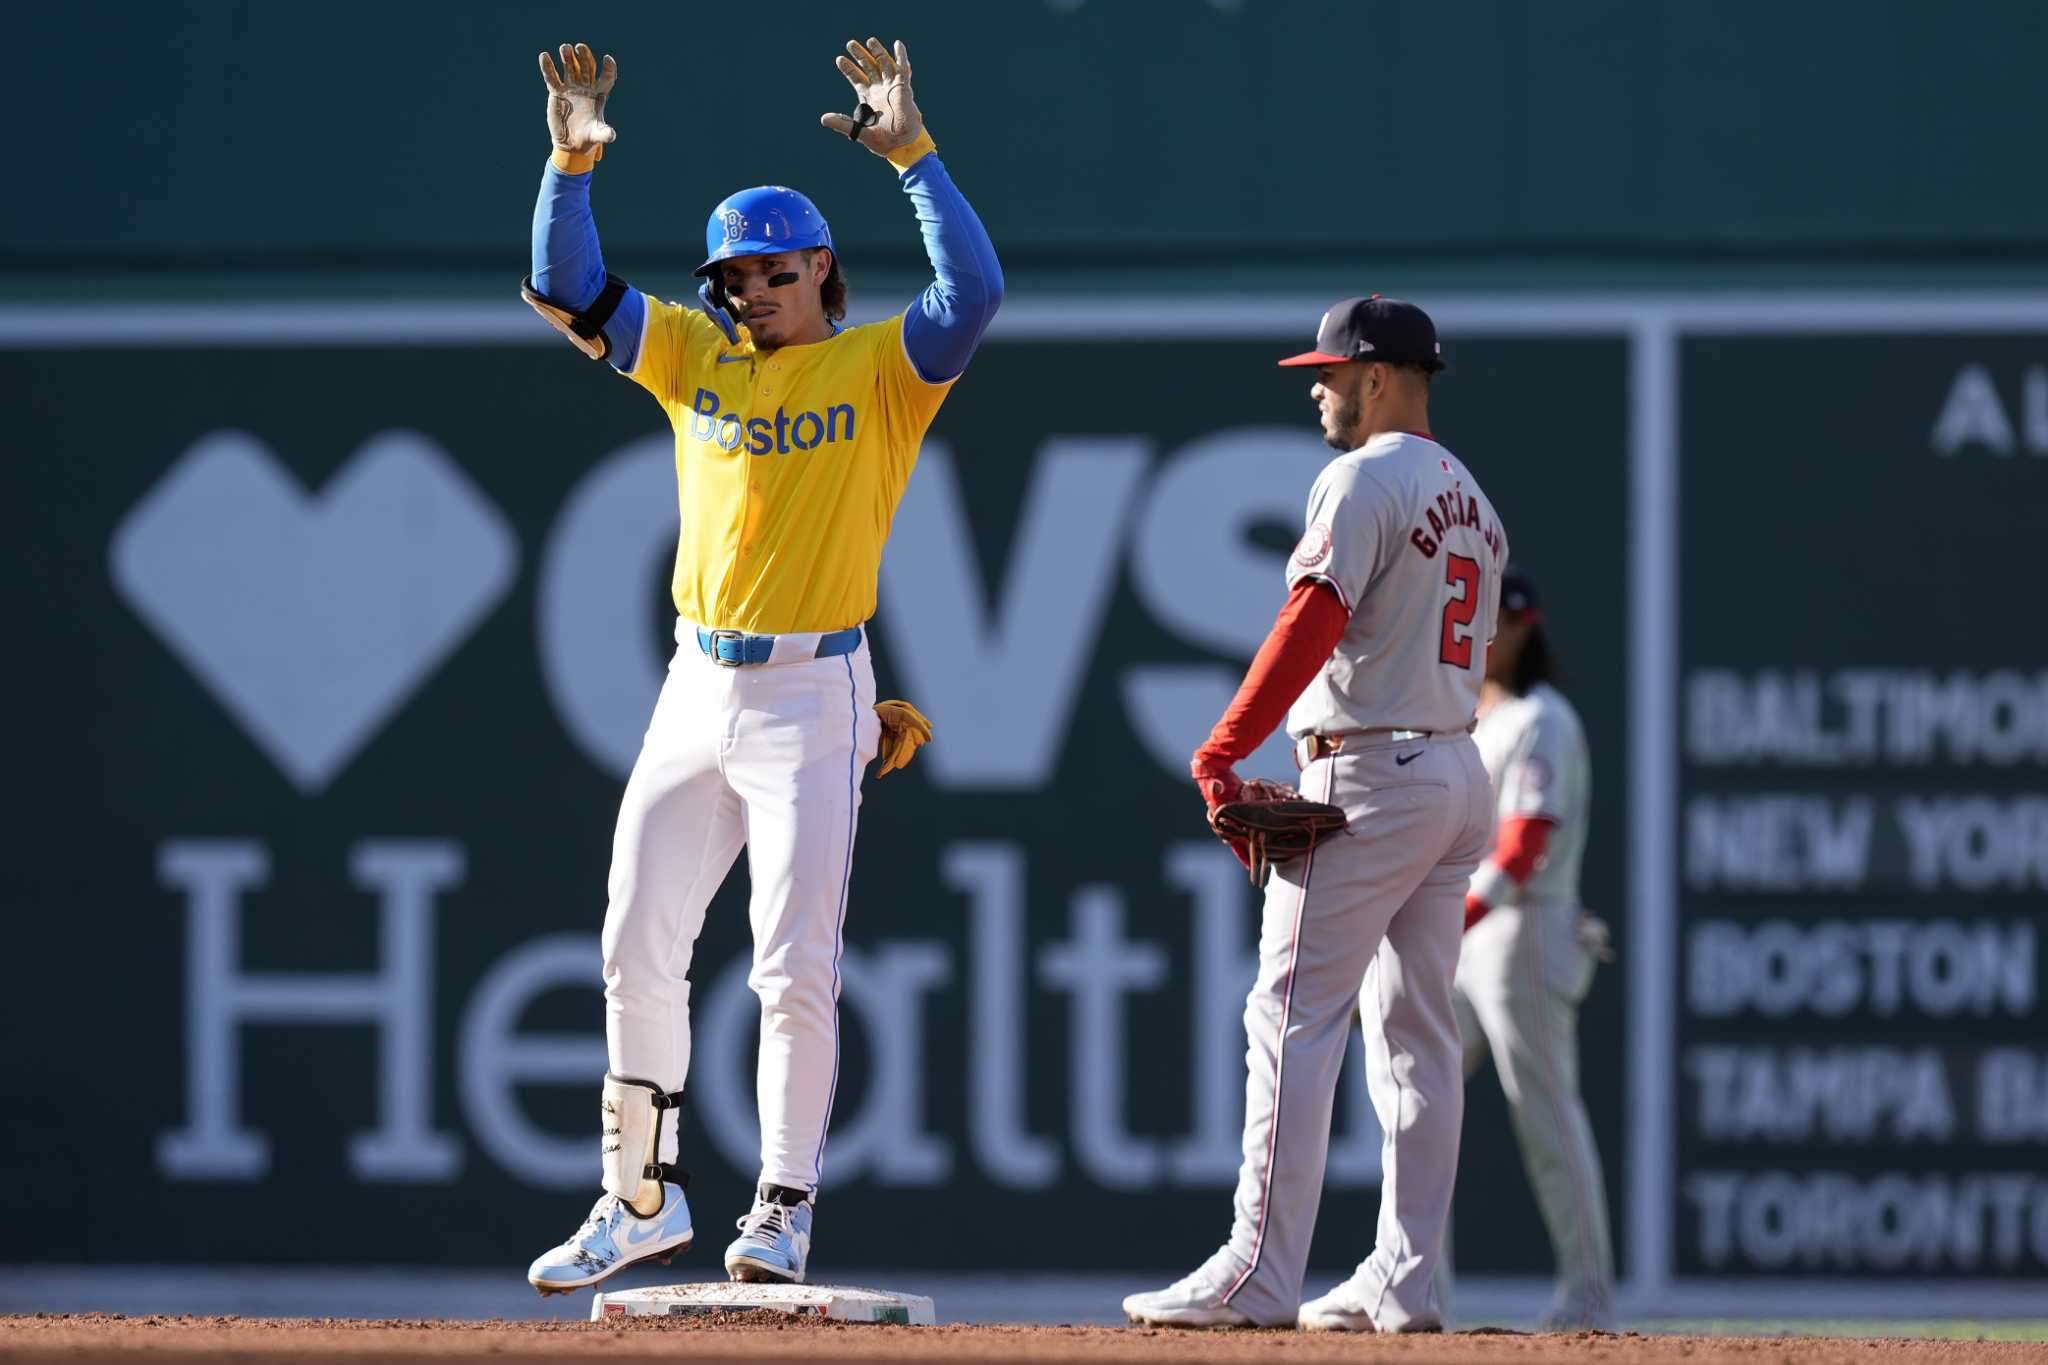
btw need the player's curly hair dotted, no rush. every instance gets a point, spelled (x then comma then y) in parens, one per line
(833, 291)
(1537, 663)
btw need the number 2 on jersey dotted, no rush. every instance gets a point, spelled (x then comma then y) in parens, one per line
(1459, 611)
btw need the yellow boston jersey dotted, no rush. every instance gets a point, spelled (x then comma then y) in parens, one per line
(789, 466)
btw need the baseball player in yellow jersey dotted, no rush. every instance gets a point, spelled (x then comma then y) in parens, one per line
(795, 437)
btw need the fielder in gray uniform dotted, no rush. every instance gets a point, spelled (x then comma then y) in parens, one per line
(1530, 949)
(1376, 662)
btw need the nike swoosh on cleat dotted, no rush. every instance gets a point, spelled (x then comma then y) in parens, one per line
(637, 1234)
(1402, 762)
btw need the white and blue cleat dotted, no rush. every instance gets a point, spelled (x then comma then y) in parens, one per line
(612, 1238)
(775, 1238)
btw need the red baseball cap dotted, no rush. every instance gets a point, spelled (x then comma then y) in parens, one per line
(1373, 328)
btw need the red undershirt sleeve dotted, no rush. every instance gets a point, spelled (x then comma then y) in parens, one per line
(1522, 843)
(1303, 638)
(1519, 848)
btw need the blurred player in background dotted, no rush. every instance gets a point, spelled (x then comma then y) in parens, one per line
(795, 437)
(1530, 949)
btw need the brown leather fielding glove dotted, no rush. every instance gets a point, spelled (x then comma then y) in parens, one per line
(1271, 823)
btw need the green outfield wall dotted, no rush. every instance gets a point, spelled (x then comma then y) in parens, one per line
(238, 136)
(331, 654)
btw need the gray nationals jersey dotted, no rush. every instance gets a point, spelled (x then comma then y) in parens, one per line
(1535, 753)
(1402, 531)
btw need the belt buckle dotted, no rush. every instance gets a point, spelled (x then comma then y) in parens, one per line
(1313, 746)
(739, 639)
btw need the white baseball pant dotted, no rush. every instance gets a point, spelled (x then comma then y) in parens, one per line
(769, 756)
(1521, 976)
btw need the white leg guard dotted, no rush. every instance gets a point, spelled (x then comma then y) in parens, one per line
(632, 1132)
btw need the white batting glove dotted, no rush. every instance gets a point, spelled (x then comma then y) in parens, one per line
(576, 97)
(887, 119)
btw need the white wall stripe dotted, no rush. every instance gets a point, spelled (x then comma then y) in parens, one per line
(1652, 928)
(1051, 316)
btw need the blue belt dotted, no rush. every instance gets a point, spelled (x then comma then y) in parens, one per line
(732, 648)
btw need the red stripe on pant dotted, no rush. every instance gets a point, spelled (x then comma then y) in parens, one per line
(1280, 1056)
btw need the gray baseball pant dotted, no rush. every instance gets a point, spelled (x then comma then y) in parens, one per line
(1371, 919)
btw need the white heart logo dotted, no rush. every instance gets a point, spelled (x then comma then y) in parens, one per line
(312, 618)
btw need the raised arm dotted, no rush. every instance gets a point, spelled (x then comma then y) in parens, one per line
(568, 267)
(942, 328)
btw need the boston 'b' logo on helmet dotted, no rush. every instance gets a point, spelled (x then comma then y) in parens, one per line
(735, 226)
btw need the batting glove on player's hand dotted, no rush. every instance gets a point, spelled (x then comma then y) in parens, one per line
(576, 98)
(904, 732)
(886, 120)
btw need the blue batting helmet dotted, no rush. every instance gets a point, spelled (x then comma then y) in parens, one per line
(761, 221)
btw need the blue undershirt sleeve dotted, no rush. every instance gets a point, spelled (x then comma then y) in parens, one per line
(942, 328)
(568, 267)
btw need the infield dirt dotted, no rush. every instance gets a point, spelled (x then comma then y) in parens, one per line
(747, 1337)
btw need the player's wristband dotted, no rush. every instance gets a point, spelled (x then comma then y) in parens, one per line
(574, 163)
(908, 155)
